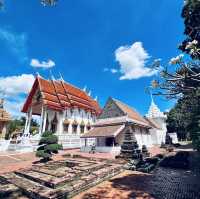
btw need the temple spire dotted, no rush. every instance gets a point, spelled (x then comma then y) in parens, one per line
(154, 111)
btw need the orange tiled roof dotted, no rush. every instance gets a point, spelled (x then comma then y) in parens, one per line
(104, 131)
(133, 114)
(60, 95)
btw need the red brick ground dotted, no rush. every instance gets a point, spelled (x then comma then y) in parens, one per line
(15, 161)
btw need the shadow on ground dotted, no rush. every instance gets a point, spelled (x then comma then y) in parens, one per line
(131, 186)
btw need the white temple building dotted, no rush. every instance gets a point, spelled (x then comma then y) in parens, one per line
(63, 108)
(78, 121)
(108, 131)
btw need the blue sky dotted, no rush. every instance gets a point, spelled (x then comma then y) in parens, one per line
(102, 44)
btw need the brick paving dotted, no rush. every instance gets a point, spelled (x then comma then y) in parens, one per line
(163, 183)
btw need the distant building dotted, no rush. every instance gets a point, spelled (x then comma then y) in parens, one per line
(4, 119)
(63, 108)
(108, 131)
(157, 119)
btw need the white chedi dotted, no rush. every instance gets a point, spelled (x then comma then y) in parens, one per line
(154, 111)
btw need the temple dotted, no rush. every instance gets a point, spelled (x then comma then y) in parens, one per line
(4, 119)
(78, 121)
(108, 131)
(63, 109)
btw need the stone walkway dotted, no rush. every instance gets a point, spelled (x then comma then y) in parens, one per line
(163, 183)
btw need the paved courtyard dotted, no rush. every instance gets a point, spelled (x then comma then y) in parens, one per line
(11, 161)
(163, 183)
(91, 178)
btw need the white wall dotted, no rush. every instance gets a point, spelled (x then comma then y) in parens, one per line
(69, 139)
(158, 135)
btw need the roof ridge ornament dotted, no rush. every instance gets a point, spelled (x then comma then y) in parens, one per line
(51, 76)
(96, 98)
(90, 93)
(61, 77)
(38, 75)
(85, 88)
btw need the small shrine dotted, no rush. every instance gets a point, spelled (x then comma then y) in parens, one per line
(4, 120)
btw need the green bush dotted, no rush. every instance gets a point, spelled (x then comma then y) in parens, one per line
(48, 146)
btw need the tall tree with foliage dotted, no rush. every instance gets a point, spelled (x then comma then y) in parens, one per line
(180, 118)
(48, 146)
(191, 17)
(180, 78)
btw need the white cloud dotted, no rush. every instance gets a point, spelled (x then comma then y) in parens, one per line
(15, 42)
(42, 64)
(15, 85)
(14, 107)
(13, 90)
(132, 60)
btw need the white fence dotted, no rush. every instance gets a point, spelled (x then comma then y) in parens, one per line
(69, 141)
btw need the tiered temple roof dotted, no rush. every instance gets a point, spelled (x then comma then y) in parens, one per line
(59, 95)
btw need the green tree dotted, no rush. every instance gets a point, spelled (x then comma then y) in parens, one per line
(48, 146)
(191, 17)
(18, 124)
(181, 116)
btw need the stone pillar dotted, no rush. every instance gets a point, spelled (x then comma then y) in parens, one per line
(25, 127)
(44, 121)
(27, 131)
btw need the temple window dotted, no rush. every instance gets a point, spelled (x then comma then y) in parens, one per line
(54, 124)
(74, 127)
(82, 127)
(66, 128)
